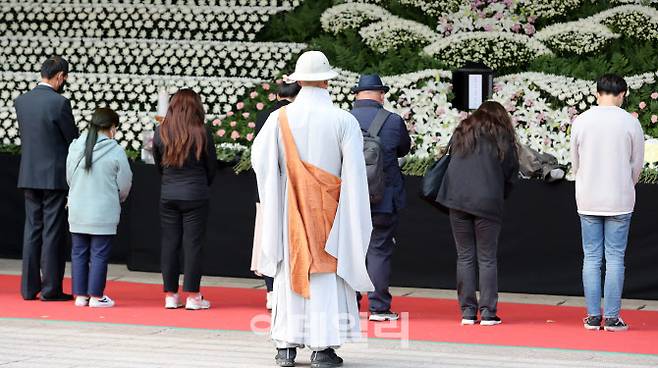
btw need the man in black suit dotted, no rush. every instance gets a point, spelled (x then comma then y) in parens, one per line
(47, 129)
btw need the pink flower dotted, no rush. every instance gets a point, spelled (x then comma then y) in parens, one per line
(635, 115)
(260, 106)
(250, 137)
(216, 122)
(654, 119)
(642, 105)
(221, 132)
(529, 29)
(230, 113)
(654, 96)
(516, 27)
(253, 94)
(488, 28)
(251, 125)
(271, 97)
(245, 115)
(266, 86)
(235, 135)
(240, 105)
(233, 124)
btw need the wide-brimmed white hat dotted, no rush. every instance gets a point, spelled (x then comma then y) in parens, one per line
(313, 66)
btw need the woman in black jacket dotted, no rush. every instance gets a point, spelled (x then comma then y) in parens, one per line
(184, 152)
(484, 163)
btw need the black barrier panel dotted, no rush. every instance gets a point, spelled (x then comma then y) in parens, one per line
(540, 249)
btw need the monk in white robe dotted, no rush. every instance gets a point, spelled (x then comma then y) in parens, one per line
(316, 307)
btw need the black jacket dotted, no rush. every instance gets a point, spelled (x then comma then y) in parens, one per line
(192, 181)
(47, 129)
(478, 183)
(261, 118)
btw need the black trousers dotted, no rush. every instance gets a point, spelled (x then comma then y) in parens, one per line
(183, 227)
(44, 243)
(476, 238)
(378, 260)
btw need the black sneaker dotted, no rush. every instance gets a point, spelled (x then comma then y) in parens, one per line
(469, 320)
(592, 323)
(615, 325)
(490, 321)
(286, 357)
(325, 359)
(383, 316)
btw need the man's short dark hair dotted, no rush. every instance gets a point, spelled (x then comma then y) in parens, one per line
(54, 65)
(288, 90)
(611, 84)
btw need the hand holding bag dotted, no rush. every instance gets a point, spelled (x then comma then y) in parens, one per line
(433, 178)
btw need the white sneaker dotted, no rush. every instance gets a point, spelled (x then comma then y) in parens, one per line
(81, 301)
(104, 302)
(196, 303)
(270, 301)
(173, 302)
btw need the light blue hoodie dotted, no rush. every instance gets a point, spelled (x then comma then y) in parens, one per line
(95, 196)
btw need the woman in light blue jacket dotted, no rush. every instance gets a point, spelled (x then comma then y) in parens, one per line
(99, 178)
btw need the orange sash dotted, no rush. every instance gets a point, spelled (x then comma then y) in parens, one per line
(312, 204)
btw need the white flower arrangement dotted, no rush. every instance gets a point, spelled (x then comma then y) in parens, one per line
(495, 49)
(580, 37)
(393, 32)
(351, 16)
(631, 20)
(253, 59)
(550, 8)
(181, 22)
(488, 17)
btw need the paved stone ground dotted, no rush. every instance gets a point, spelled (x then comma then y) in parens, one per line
(28, 343)
(35, 343)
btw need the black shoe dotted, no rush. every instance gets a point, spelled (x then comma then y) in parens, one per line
(286, 357)
(592, 323)
(57, 298)
(325, 359)
(490, 321)
(615, 325)
(383, 316)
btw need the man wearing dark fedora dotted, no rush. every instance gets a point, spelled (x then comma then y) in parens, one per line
(395, 143)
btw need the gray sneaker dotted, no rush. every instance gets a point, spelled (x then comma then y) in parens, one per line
(286, 357)
(325, 359)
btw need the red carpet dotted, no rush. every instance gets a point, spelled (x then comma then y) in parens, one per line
(429, 319)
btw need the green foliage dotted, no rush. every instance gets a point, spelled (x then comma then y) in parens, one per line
(10, 149)
(623, 56)
(133, 155)
(300, 25)
(348, 51)
(649, 176)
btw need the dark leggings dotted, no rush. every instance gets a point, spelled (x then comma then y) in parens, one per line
(269, 283)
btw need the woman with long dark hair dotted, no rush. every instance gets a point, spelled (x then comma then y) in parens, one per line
(483, 165)
(185, 154)
(99, 178)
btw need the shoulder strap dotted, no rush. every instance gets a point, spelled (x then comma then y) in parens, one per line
(288, 139)
(378, 122)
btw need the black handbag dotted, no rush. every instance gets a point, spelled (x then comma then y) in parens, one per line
(433, 178)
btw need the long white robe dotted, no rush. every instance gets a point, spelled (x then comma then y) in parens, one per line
(330, 139)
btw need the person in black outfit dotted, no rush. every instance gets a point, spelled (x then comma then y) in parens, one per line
(484, 163)
(47, 128)
(185, 155)
(285, 93)
(394, 138)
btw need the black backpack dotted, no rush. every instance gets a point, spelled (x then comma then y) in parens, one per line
(374, 156)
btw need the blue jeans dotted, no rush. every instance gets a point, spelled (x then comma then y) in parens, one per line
(89, 257)
(604, 235)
